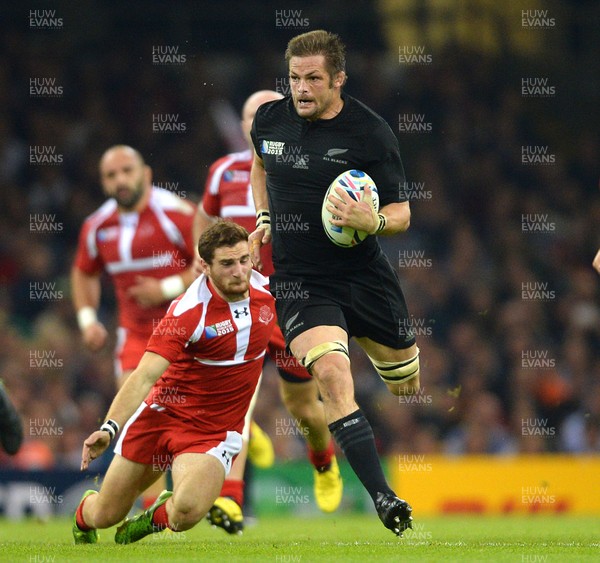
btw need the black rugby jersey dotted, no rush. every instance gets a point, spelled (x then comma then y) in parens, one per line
(301, 159)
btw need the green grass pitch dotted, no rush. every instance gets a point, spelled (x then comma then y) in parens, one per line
(329, 538)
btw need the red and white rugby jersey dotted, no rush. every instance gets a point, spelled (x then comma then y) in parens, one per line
(228, 194)
(156, 242)
(216, 350)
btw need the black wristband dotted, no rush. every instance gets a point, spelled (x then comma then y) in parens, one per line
(111, 427)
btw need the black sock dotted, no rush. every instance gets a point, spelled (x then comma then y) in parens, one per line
(354, 435)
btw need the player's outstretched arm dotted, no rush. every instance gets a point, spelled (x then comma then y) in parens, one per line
(127, 400)
(85, 292)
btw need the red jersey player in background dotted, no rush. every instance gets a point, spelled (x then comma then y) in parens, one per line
(228, 194)
(142, 237)
(184, 405)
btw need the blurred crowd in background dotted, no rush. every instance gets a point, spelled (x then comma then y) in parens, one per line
(496, 266)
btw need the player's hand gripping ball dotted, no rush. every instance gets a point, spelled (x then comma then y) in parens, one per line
(354, 182)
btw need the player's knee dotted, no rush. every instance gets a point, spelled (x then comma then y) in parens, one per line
(325, 359)
(184, 514)
(407, 388)
(400, 377)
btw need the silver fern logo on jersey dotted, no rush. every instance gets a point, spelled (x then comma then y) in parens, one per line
(332, 154)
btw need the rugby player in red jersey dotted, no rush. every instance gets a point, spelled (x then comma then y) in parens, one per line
(185, 403)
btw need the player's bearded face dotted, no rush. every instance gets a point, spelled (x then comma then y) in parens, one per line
(124, 179)
(127, 195)
(315, 93)
(230, 271)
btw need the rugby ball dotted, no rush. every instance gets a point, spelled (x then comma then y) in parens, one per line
(353, 182)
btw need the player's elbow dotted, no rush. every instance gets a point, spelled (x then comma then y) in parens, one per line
(403, 221)
(406, 221)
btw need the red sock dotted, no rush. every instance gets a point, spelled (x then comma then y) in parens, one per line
(160, 519)
(321, 460)
(233, 488)
(79, 517)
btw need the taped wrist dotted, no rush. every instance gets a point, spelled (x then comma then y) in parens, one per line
(86, 316)
(263, 220)
(111, 427)
(381, 224)
(172, 286)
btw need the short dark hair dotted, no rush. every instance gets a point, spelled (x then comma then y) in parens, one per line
(222, 233)
(319, 42)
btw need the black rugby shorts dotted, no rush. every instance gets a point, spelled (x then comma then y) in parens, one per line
(367, 302)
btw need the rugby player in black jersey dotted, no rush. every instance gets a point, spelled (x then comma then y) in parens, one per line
(326, 294)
